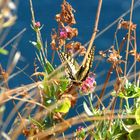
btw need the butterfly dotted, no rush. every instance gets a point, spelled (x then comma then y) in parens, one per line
(76, 72)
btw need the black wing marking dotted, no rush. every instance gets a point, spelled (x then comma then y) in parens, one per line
(71, 65)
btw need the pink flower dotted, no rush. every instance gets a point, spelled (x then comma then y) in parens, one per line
(37, 24)
(80, 128)
(63, 34)
(80, 132)
(89, 84)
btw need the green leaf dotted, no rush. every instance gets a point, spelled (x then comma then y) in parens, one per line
(137, 115)
(130, 91)
(87, 110)
(64, 107)
(39, 45)
(49, 87)
(130, 128)
(36, 44)
(49, 67)
(134, 95)
(3, 51)
(135, 135)
(121, 95)
(48, 121)
(63, 84)
(35, 122)
(120, 136)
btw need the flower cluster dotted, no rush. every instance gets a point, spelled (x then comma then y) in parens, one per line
(66, 15)
(65, 31)
(68, 32)
(113, 57)
(80, 133)
(73, 47)
(37, 24)
(126, 24)
(89, 84)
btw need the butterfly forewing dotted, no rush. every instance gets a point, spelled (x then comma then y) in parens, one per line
(71, 65)
(83, 71)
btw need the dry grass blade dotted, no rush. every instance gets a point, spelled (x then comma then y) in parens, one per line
(15, 37)
(5, 96)
(129, 31)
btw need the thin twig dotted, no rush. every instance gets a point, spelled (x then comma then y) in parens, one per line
(94, 31)
(135, 56)
(105, 85)
(136, 5)
(129, 32)
(15, 37)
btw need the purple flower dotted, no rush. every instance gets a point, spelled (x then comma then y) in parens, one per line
(89, 84)
(80, 128)
(63, 33)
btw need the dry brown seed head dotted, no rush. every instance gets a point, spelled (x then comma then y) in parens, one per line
(127, 24)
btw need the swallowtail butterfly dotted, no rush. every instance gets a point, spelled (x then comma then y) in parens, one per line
(76, 72)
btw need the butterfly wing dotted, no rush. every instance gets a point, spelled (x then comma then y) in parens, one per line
(83, 71)
(71, 64)
(73, 70)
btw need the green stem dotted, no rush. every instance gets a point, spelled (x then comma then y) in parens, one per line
(90, 102)
(127, 103)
